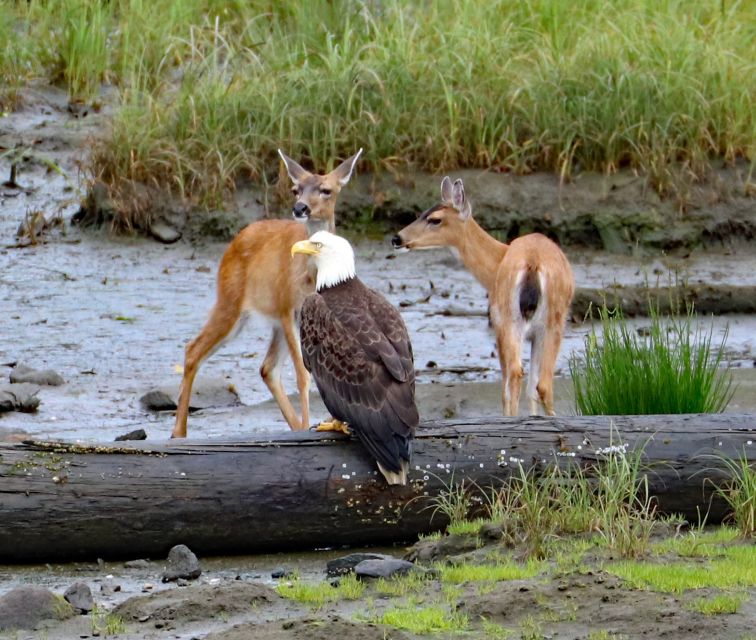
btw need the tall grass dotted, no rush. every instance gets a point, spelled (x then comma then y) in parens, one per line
(211, 88)
(673, 369)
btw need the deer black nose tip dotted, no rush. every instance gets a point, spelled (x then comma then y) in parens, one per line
(301, 210)
(396, 242)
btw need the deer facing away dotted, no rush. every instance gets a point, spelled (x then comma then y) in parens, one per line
(530, 287)
(257, 275)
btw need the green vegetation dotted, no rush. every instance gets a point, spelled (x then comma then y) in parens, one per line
(209, 89)
(675, 369)
(410, 583)
(105, 623)
(434, 618)
(737, 568)
(697, 544)
(538, 508)
(740, 494)
(317, 595)
(502, 570)
(716, 605)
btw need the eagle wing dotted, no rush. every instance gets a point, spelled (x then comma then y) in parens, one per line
(362, 364)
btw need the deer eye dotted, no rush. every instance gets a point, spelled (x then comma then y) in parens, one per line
(325, 192)
(434, 221)
(295, 190)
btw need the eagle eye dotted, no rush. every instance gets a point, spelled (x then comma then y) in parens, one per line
(318, 245)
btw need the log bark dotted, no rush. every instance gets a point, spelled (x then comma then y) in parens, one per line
(64, 501)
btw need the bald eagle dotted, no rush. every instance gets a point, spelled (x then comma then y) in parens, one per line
(356, 346)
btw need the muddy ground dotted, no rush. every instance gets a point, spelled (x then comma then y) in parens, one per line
(112, 315)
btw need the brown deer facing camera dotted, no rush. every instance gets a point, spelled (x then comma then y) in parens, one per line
(530, 287)
(257, 275)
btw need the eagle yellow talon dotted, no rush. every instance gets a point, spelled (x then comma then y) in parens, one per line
(333, 425)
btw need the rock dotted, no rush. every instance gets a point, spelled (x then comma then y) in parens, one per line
(429, 550)
(346, 564)
(19, 397)
(166, 233)
(79, 596)
(383, 568)
(182, 563)
(137, 564)
(26, 607)
(168, 222)
(278, 574)
(48, 377)
(491, 531)
(206, 392)
(137, 434)
(157, 400)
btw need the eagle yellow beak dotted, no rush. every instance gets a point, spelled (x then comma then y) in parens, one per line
(306, 247)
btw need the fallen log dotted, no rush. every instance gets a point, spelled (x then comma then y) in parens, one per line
(64, 501)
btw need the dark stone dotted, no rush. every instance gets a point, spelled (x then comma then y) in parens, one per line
(278, 574)
(137, 434)
(383, 568)
(491, 531)
(207, 392)
(79, 596)
(19, 397)
(428, 550)
(26, 607)
(47, 377)
(182, 563)
(157, 400)
(137, 564)
(346, 564)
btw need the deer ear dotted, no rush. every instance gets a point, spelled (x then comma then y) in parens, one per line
(296, 172)
(446, 191)
(459, 200)
(343, 172)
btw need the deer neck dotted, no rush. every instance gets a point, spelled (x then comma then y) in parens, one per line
(481, 253)
(313, 226)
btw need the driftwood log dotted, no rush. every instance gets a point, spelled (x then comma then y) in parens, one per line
(61, 501)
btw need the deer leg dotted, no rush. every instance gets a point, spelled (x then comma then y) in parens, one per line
(271, 374)
(303, 376)
(508, 343)
(545, 387)
(218, 328)
(534, 375)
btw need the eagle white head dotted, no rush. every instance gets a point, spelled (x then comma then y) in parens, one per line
(333, 255)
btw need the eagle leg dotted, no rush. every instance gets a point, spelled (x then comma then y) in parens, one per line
(334, 425)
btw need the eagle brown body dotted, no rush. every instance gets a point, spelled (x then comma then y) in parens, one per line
(356, 346)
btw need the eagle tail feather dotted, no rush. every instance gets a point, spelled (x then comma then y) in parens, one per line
(393, 477)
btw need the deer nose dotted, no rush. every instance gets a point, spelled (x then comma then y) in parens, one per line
(396, 242)
(301, 210)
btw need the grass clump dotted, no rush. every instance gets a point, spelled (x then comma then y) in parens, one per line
(105, 623)
(698, 544)
(737, 568)
(740, 494)
(675, 369)
(410, 583)
(717, 605)
(317, 595)
(209, 89)
(431, 619)
(505, 570)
